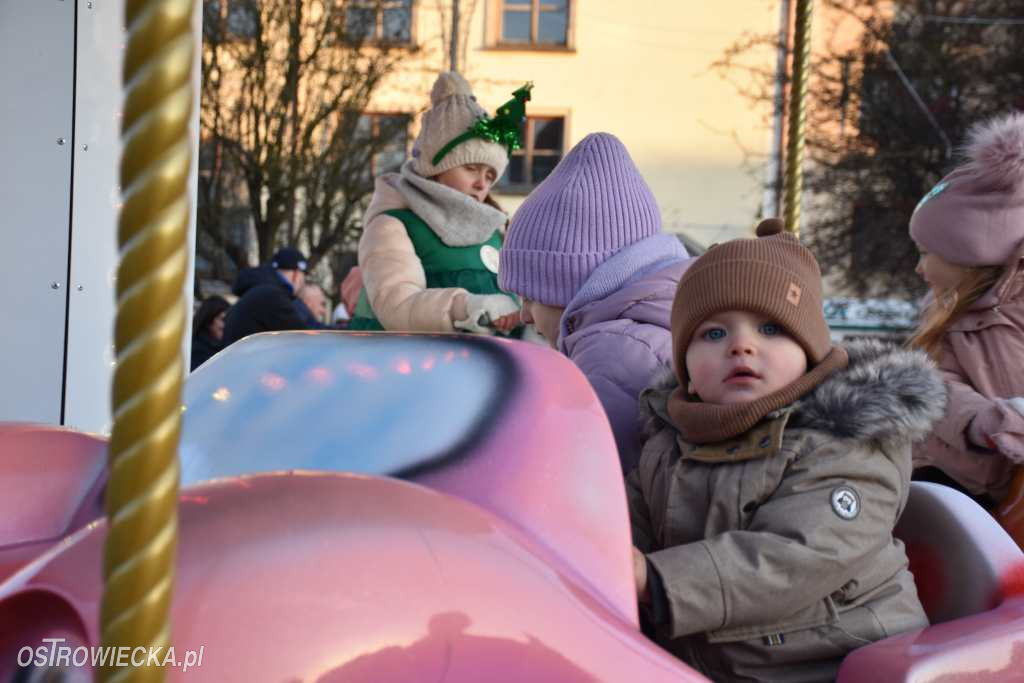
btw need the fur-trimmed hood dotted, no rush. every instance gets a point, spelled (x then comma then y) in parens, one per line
(886, 392)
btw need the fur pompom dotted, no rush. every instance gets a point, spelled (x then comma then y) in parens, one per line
(995, 153)
(447, 85)
(769, 227)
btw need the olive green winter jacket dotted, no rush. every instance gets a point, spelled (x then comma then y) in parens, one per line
(772, 554)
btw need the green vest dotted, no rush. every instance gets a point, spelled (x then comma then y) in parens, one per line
(444, 265)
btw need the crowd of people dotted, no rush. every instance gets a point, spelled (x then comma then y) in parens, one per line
(269, 298)
(765, 465)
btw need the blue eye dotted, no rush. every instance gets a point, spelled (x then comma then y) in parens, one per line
(771, 329)
(713, 334)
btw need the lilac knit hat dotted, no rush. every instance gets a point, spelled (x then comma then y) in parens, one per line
(975, 215)
(591, 206)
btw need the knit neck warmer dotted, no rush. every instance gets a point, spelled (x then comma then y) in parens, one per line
(458, 219)
(702, 423)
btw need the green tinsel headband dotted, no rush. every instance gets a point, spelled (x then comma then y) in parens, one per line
(502, 129)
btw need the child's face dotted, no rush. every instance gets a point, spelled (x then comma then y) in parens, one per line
(217, 325)
(547, 320)
(737, 357)
(472, 179)
(940, 274)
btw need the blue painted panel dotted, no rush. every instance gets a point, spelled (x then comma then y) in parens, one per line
(381, 404)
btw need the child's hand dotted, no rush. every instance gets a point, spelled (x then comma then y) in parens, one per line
(977, 434)
(482, 310)
(507, 323)
(991, 421)
(640, 576)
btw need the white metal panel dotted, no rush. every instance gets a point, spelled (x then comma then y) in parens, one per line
(92, 306)
(36, 80)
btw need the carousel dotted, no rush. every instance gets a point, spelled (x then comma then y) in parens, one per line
(336, 506)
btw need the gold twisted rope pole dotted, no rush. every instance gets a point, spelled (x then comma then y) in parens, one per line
(794, 181)
(141, 504)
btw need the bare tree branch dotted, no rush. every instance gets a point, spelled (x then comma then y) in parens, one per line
(873, 151)
(284, 86)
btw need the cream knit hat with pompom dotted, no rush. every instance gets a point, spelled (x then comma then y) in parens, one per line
(453, 111)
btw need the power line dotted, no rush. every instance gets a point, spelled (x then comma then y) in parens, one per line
(1004, 21)
(919, 102)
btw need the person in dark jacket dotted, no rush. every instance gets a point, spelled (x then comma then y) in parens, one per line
(208, 329)
(267, 295)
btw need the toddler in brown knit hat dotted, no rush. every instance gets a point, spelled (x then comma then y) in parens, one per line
(775, 468)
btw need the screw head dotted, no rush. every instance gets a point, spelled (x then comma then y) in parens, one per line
(54, 285)
(61, 141)
(85, 148)
(80, 288)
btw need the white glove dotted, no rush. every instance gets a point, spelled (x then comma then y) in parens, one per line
(483, 309)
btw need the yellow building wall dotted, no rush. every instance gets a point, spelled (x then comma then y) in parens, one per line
(640, 70)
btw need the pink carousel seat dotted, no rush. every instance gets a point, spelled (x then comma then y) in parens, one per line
(958, 553)
(967, 570)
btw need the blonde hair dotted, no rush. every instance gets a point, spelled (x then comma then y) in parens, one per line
(948, 306)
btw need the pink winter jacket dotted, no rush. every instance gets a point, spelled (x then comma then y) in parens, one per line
(983, 360)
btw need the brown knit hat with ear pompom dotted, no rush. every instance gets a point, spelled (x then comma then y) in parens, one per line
(774, 276)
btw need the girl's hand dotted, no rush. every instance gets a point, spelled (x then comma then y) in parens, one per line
(640, 576)
(986, 430)
(978, 434)
(507, 323)
(483, 311)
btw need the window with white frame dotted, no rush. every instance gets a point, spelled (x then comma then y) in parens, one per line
(230, 20)
(390, 135)
(533, 23)
(380, 21)
(543, 145)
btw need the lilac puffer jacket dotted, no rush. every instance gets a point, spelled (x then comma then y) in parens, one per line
(616, 330)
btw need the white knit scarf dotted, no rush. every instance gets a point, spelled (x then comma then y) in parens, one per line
(458, 219)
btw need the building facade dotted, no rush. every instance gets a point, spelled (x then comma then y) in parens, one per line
(639, 70)
(644, 72)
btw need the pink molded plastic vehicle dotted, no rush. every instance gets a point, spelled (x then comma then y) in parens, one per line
(428, 508)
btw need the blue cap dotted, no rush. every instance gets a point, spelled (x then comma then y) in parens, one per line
(289, 258)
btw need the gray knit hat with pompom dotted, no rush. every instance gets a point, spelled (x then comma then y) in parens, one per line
(453, 111)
